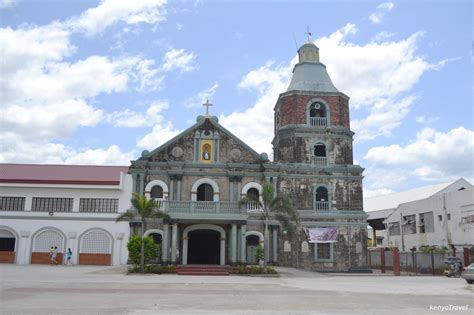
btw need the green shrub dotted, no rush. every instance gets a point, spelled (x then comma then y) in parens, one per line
(153, 269)
(152, 250)
(168, 269)
(259, 253)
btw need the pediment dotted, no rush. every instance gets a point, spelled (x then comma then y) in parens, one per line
(205, 142)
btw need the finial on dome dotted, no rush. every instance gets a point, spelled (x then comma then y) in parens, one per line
(308, 33)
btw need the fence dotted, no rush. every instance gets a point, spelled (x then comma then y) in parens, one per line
(409, 262)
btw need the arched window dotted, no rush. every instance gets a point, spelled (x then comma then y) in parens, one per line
(317, 114)
(321, 194)
(205, 193)
(157, 192)
(321, 199)
(253, 193)
(320, 150)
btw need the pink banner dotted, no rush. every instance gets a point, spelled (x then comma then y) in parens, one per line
(321, 235)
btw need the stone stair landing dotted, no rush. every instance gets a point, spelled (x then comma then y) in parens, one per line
(203, 270)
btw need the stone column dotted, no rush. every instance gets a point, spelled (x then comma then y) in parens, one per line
(238, 239)
(243, 244)
(142, 183)
(23, 252)
(71, 240)
(165, 248)
(185, 250)
(118, 249)
(174, 242)
(275, 244)
(222, 260)
(233, 244)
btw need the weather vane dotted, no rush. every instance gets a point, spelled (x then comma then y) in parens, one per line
(308, 33)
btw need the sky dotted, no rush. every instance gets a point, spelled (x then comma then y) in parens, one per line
(98, 82)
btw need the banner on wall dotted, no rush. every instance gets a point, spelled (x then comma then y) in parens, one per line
(321, 235)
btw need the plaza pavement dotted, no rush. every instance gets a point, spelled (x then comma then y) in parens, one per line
(43, 289)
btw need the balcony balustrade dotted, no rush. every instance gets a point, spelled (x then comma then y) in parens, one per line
(322, 206)
(319, 160)
(318, 121)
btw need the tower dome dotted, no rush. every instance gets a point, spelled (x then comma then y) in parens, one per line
(309, 74)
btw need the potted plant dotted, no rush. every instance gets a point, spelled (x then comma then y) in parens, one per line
(260, 255)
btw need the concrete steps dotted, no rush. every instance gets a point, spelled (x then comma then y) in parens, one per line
(202, 270)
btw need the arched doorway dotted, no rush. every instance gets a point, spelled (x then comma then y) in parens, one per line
(252, 243)
(203, 247)
(204, 244)
(157, 236)
(7, 247)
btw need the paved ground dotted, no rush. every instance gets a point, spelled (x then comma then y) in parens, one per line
(36, 289)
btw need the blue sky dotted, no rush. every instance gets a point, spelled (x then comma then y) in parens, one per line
(97, 82)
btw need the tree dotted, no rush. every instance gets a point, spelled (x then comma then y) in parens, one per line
(278, 207)
(142, 208)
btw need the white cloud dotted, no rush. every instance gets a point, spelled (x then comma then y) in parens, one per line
(385, 116)
(5, 4)
(130, 119)
(433, 155)
(376, 192)
(426, 120)
(159, 135)
(381, 11)
(46, 98)
(14, 149)
(206, 94)
(108, 12)
(255, 125)
(179, 59)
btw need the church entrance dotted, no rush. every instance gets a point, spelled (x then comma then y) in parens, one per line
(204, 247)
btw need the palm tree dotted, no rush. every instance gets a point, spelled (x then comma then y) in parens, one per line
(278, 207)
(143, 209)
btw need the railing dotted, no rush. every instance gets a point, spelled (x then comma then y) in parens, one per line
(322, 206)
(160, 203)
(319, 160)
(253, 207)
(318, 121)
(202, 207)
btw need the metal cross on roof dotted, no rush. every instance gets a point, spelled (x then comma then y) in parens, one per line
(308, 33)
(207, 104)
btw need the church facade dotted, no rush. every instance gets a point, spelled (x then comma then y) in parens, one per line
(199, 176)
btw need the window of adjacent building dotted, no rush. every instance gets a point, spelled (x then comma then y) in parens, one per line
(323, 251)
(426, 222)
(379, 240)
(100, 205)
(409, 224)
(156, 192)
(51, 204)
(12, 203)
(394, 228)
(205, 193)
(449, 216)
(440, 217)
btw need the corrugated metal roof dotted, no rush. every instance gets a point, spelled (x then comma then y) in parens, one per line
(311, 76)
(391, 201)
(61, 174)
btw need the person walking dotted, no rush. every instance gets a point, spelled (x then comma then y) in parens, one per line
(69, 257)
(51, 251)
(54, 255)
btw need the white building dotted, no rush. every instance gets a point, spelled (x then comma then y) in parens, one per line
(440, 215)
(65, 206)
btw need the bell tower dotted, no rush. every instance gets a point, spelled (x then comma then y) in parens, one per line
(312, 116)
